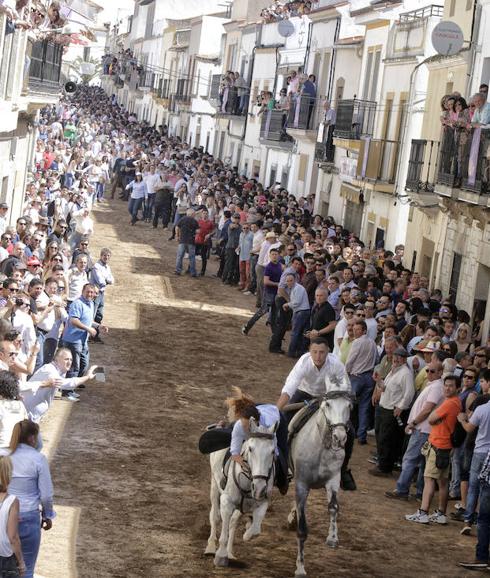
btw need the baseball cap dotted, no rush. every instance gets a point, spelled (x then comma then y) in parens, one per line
(4, 206)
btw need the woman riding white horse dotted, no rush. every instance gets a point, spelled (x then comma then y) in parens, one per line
(250, 477)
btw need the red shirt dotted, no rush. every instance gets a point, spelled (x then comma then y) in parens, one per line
(205, 227)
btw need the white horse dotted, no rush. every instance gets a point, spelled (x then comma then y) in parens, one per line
(317, 454)
(247, 491)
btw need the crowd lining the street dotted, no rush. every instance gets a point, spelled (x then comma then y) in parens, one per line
(51, 305)
(417, 364)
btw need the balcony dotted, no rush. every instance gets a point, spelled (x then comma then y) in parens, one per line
(458, 167)
(45, 67)
(227, 102)
(272, 129)
(422, 166)
(355, 119)
(303, 118)
(377, 162)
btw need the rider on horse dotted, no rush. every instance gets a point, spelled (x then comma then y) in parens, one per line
(241, 408)
(313, 375)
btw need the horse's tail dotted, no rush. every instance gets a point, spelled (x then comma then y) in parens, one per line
(238, 402)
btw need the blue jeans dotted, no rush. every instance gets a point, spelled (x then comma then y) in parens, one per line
(69, 180)
(30, 539)
(81, 358)
(482, 546)
(473, 487)
(8, 567)
(268, 306)
(362, 386)
(134, 205)
(148, 206)
(99, 190)
(456, 463)
(301, 321)
(181, 251)
(99, 307)
(412, 459)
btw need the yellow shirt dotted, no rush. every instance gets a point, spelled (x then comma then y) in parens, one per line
(421, 379)
(345, 348)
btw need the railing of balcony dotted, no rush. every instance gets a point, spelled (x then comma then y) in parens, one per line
(302, 113)
(273, 125)
(421, 13)
(232, 100)
(45, 66)
(355, 118)
(461, 160)
(422, 166)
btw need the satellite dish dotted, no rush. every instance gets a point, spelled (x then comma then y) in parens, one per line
(285, 28)
(447, 38)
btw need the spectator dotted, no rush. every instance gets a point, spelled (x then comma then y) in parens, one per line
(359, 365)
(11, 558)
(437, 454)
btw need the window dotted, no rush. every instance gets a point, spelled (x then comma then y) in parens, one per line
(371, 75)
(284, 178)
(455, 273)
(452, 8)
(150, 18)
(469, 4)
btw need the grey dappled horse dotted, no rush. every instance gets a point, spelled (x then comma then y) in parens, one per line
(317, 454)
(247, 491)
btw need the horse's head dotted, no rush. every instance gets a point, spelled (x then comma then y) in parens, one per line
(259, 453)
(336, 406)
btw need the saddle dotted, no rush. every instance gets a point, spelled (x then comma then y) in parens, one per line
(301, 418)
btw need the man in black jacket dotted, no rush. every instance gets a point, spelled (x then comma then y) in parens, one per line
(323, 318)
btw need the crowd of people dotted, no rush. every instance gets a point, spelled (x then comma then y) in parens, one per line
(459, 118)
(281, 9)
(51, 307)
(417, 364)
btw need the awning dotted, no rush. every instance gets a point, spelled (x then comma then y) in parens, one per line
(350, 193)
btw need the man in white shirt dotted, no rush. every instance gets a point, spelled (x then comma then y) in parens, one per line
(4, 208)
(397, 394)
(315, 374)
(38, 393)
(419, 429)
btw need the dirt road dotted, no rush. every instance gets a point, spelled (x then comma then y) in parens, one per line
(128, 459)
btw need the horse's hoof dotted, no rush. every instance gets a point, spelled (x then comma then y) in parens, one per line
(332, 543)
(221, 561)
(248, 535)
(300, 575)
(210, 551)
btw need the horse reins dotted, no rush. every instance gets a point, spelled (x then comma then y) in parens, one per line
(248, 493)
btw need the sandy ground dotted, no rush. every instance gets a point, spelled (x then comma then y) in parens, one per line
(131, 487)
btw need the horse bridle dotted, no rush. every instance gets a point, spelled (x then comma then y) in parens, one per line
(248, 493)
(336, 394)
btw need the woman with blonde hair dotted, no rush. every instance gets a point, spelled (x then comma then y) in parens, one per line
(31, 483)
(463, 338)
(11, 559)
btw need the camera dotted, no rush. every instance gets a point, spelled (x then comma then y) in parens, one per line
(19, 302)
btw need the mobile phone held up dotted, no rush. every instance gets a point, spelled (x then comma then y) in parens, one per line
(99, 374)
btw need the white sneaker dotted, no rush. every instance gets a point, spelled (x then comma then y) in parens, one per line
(247, 293)
(438, 518)
(419, 517)
(371, 432)
(466, 531)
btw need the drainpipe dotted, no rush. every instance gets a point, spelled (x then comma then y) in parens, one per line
(475, 31)
(331, 75)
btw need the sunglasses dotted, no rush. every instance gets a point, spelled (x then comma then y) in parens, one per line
(22, 224)
(7, 238)
(469, 376)
(480, 354)
(13, 289)
(61, 288)
(432, 371)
